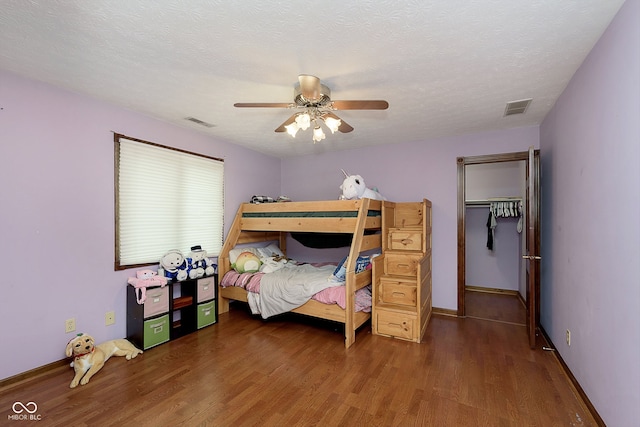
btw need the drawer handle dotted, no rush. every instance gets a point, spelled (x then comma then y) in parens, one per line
(399, 326)
(403, 265)
(399, 294)
(406, 241)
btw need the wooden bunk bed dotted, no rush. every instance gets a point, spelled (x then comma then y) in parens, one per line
(255, 223)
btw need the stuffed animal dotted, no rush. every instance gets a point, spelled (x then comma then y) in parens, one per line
(89, 358)
(247, 262)
(174, 265)
(145, 279)
(353, 187)
(198, 263)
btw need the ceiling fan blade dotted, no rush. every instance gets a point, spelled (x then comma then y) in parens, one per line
(361, 105)
(344, 126)
(290, 120)
(309, 87)
(262, 104)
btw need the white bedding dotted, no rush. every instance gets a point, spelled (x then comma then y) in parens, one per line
(289, 288)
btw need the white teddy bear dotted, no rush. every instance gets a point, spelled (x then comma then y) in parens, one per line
(173, 265)
(198, 263)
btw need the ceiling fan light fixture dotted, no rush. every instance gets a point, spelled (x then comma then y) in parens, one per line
(303, 120)
(292, 129)
(313, 101)
(318, 134)
(332, 124)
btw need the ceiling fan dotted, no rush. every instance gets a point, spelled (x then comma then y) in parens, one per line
(313, 99)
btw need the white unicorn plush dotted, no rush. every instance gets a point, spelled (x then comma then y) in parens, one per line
(353, 187)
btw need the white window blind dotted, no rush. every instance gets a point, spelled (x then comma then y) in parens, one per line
(165, 199)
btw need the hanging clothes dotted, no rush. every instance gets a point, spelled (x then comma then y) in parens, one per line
(491, 225)
(502, 209)
(506, 209)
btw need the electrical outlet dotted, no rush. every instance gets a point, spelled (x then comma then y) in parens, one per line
(70, 325)
(110, 318)
(568, 338)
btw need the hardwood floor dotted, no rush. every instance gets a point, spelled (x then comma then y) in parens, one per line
(293, 371)
(501, 307)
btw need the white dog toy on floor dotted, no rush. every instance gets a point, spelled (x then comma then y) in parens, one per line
(353, 187)
(89, 358)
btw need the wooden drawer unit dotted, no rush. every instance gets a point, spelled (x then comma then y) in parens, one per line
(405, 239)
(394, 324)
(394, 290)
(401, 264)
(402, 274)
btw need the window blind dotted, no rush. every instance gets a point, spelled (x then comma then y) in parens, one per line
(165, 199)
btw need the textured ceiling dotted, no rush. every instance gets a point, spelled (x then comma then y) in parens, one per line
(446, 67)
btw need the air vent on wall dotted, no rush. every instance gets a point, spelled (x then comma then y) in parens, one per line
(517, 107)
(199, 122)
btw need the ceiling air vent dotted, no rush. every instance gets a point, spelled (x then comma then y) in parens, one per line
(199, 122)
(517, 107)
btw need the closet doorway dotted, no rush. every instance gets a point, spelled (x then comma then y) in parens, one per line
(498, 253)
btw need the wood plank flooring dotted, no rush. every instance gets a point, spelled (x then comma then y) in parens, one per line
(501, 307)
(293, 371)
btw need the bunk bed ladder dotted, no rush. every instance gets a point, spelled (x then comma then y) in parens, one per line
(350, 284)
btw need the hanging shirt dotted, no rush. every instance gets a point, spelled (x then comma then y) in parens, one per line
(491, 225)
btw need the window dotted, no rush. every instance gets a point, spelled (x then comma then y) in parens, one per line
(165, 199)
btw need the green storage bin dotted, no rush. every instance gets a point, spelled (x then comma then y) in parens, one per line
(206, 314)
(156, 331)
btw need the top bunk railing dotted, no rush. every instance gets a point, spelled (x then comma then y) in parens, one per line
(251, 227)
(329, 216)
(313, 206)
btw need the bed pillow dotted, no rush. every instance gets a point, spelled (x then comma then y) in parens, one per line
(269, 251)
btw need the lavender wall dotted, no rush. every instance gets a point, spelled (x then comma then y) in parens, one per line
(590, 146)
(498, 268)
(406, 172)
(57, 214)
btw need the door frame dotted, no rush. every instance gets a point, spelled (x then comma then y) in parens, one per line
(461, 163)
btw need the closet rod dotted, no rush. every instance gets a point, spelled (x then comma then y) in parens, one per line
(493, 199)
